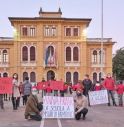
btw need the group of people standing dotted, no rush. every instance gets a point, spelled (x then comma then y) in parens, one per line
(18, 90)
(81, 98)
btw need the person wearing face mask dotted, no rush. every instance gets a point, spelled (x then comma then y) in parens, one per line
(81, 105)
(109, 85)
(33, 107)
(15, 92)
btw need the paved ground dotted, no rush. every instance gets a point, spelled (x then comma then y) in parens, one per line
(98, 116)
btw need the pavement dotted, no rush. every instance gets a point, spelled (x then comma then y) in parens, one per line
(98, 116)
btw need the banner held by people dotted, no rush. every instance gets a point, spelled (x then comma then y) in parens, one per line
(58, 107)
(98, 97)
(5, 85)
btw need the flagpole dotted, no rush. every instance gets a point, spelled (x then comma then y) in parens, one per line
(101, 69)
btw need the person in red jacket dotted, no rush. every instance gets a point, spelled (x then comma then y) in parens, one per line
(120, 91)
(109, 84)
(97, 86)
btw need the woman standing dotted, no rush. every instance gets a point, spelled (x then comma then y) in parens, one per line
(15, 92)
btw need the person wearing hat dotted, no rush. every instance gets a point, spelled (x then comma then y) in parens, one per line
(33, 107)
(81, 105)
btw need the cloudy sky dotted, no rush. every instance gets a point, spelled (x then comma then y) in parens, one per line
(113, 15)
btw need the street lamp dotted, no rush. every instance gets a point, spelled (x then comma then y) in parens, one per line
(16, 37)
(101, 38)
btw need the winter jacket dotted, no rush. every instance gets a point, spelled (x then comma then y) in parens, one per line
(15, 91)
(27, 87)
(109, 83)
(120, 89)
(87, 83)
(32, 106)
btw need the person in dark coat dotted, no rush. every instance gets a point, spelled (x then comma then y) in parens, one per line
(87, 83)
(27, 89)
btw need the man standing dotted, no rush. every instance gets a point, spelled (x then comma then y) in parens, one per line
(87, 84)
(109, 85)
(27, 89)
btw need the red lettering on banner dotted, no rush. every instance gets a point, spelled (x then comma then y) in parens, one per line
(6, 85)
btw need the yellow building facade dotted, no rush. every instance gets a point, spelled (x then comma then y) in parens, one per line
(51, 46)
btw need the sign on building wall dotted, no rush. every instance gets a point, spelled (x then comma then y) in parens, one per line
(58, 107)
(98, 97)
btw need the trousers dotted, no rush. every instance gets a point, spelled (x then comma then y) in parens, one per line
(83, 112)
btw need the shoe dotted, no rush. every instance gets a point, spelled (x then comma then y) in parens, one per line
(84, 117)
(26, 117)
(114, 104)
(109, 104)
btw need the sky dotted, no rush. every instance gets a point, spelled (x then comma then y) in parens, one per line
(113, 18)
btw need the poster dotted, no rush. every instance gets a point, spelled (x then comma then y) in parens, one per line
(6, 85)
(57, 85)
(54, 85)
(58, 107)
(98, 97)
(42, 85)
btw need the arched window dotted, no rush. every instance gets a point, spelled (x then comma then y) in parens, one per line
(50, 56)
(5, 74)
(50, 75)
(94, 77)
(32, 53)
(25, 74)
(75, 77)
(75, 54)
(94, 56)
(5, 56)
(32, 77)
(25, 53)
(68, 77)
(50, 50)
(68, 54)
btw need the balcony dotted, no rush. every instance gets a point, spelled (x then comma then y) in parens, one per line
(72, 63)
(4, 64)
(97, 65)
(28, 63)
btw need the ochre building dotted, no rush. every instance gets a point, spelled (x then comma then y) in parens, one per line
(52, 46)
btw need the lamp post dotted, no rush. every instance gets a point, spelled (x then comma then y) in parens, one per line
(101, 69)
(16, 37)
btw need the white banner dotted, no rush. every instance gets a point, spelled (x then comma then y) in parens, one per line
(58, 107)
(98, 97)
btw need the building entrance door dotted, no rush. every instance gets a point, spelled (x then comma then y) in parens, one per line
(50, 75)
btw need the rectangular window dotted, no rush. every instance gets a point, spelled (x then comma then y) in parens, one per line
(68, 31)
(49, 31)
(5, 58)
(32, 31)
(24, 31)
(53, 31)
(75, 32)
